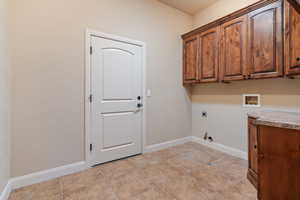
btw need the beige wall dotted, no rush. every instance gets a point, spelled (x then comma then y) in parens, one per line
(48, 74)
(274, 92)
(48, 78)
(227, 119)
(4, 100)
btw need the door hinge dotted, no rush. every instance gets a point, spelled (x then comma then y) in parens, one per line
(91, 50)
(91, 147)
(91, 98)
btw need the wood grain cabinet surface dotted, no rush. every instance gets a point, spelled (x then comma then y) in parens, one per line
(265, 42)
(257, 42)
(209, 55)
(292, 40)
(233, 49)
(295, 4)
(274, 161)
(190, 60)
(252, 152)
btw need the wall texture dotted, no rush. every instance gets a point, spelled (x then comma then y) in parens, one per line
(227, 119)
(48, 74)
(4, 99)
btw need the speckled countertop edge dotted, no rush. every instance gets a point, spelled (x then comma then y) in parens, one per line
(288, 120)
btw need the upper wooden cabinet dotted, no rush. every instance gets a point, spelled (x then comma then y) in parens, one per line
(209, 55)
(233, 49)
(252, 43)
(295, 4)
(190, 60)
(265, 46)
(292, 40)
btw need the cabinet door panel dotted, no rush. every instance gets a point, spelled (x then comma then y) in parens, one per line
(190, 60)
(279, 163)
(252, 152)
(209, 55)
(292, 40)
(233, 49)
(252, 146)
(265, 42)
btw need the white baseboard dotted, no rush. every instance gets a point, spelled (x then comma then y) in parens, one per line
(4, 195)
(225, 149)
(157, 147)
(46, 175)
(220, 147)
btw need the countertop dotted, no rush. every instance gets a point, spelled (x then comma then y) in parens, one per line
(278, 119)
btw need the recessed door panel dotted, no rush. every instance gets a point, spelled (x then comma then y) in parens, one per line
(233, 49)
(190, 69)
(278, 163)
(118, 70)
(209, 55)
(265, 42)
(292, 40)
(118, 129)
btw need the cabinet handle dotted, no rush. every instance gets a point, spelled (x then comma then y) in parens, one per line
(255, 146)
(298, 59)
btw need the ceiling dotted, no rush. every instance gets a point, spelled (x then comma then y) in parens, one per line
(189, 6)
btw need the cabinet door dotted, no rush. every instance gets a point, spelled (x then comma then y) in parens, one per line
(292, 40)
(190, 60)
(278, 164)
(265, 51)
(252, 151)
(233, 50)
(209, 55)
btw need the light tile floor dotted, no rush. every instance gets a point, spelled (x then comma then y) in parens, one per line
(185, 172)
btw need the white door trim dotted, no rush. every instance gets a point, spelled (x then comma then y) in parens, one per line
(87, 107)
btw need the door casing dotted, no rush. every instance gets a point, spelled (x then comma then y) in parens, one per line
(87, 104)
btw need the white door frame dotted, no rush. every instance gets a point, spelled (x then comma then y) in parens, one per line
(87, 108)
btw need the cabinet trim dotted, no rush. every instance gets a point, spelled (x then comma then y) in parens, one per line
(229, 17)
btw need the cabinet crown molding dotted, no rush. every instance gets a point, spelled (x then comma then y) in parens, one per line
(229, 17)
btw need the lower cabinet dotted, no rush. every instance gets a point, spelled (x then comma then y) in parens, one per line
(252, 152)
(274, 162)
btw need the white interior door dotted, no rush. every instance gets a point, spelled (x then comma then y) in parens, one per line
(116, 73)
